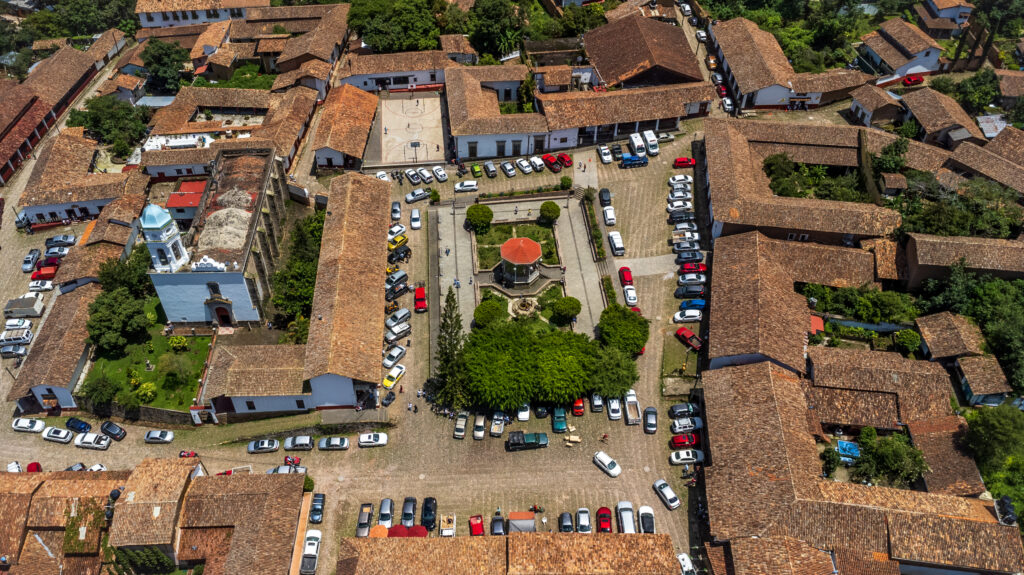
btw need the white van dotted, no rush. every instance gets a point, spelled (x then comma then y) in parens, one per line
(636, 145)
(615, 239)
(16, 337)
(627, 523)
(652, 142)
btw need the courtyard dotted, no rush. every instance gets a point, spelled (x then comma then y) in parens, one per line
(409, 130)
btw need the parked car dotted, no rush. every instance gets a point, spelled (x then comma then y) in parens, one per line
(44, 273)
(678, 205)
(29, 263)
(316, 509)
(497, 424)
(396, 211)
(717, 79)
(646, 519)
(558, 421)
(508, 169)
(614, 409)
(58, 435)
(552, 163)
(489, 170)
(476, 525)
(97, 467)
(692, 268)
(523, 413)
(604, 520)
(398, 242)
(460, 425)
(40, 285)
(686, 457)
(607, 464)
(617, 152)
(680, 179)
(686, 424)
(467, 186)
(420, 299)
(583, 521)
(479, 426)
(383, 176)
(727, 105)
(629, 293)
(17, 323)
(50, 261)
(537, 164)
(721, 90)
(393, 376)
(409, 512)
(388, 399)
(57, 252)
(596, 403)
(683, 410)
(386, 515)
(393, 356)
(683, 440)
(650, 420)
(609, 216)
(399, 316)
(689, 338)
(605, 197)
(913, 80)
(605, 154)
(578, 407)
(693, 304)
(34, 467)
(399, 254)
(684, 163)
(524, 166)
(425, 175)
(92, 441)
(477, 171)
(687, 316)
(689, 257)
(263, 446)
(702, 36)
(415, 221)
(63, 240)
(565, 160)
(12, 351)
(364, 519)
(333, 443)
(428, 517)
(414, 177)
(679, 194)
(28, 425)
(565, 523)
(298, 443)
(627, 523)
(395, 293)
(665, 493)
(678, 217)
(689, 291)
(692, 279)
(712, 62)
(373, 440)
(498, 524)
(625, 276)
(76, 467)
(419, 194)
(113, 430)
(439, 173)
(77, 425)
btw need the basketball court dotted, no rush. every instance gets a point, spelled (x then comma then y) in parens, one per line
(409, 131)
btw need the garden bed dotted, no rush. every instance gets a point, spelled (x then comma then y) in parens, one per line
(488, 245)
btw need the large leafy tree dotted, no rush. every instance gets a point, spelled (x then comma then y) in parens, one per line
(112, 120)
(622, 328)
(395, 26)
(496, 25)
(131, 274)
(164, 62)
(891, 459)
(614, 373)
(294, 283)
(116, 319)
(978, 91)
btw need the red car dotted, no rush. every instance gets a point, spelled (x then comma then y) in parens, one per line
(684, 440)
(45, 273)
(604, 520)
(684, 163)
(476, 525)
(637, 310)
(228, 472)
(693, 268)
(48, 262)
(34, 467)
(689, 338)
(421, 299)
(626, 276)
(552, 163)
(721, 91)
(913, 80)
(565, 159)
(577, 407)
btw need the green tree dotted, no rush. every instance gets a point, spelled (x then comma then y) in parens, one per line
(943, 84)
(164, 62)
(449, 376)
(829, 461)
(398, 26)
(80, 17)
(890, 459)
(115, 320)
(177, 370)
(479, 217)
(622, 328)
(549, 212)
(778, 166)
(100, 389)
(978, 91)
(996, 436)
(891, 159)
(614, 373)
(491, 21)
(110, 120)
(308, 484)
(453, 20)
(294, 283)
(279, 29)
(907, 340)
(297, 331)
(909, 129)
(489, 311)
(131, 274)
(564, 309)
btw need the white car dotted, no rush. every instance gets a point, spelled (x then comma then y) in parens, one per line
(524, 166)
(383, 176)
(686, 227)
(17, 324)
(414, 177)
(395, 355)
(629, 292)
(159, 436)
(92, 441)
(479, 426)
(439, 174)
(685, 564)
(311, 549)
(615, 409)
(415, 221)
(58, 435)
(691, 279)
(97, 467)
(508, 169)
(686, 456)
(373, 440)
(686, 424)
(416, 195)
(688, 236)
(523, 413)
(727, 105)
(682, 188)
(40, 285)
(609, 216)
(471, 185)
(702, 36)
(56, 252)
(645, 516)
(679, 206)
(607, 464)
(425, 175)
(537, 164)
(680, 179)
(394, 375)
(583, 524)
(664, 491)
(286, 469)
(298, 443)
(395, 231)
(26, 425)
(687, 316)
(679, 194)
(605, 153)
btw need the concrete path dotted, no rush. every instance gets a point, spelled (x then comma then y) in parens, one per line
(585, 158)
(582, 279)
(455, 260)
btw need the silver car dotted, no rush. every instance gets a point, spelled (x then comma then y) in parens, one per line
(333, 443)
(298, 443)
(506, 167)
(159, 436)
(425, 175)
(387, 513)
(58, 435)
(583, 521)
(264, 446)
(664, 491)
(394, 356)
(614, 409)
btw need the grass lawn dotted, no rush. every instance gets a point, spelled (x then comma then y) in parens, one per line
(547, 299)
(488, 256)
(676, 358)
(488, 245)
(167, 396)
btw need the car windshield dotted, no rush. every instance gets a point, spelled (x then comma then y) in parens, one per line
(611, 464)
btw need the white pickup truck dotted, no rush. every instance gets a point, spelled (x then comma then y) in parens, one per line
(632, 408)
(310, 552)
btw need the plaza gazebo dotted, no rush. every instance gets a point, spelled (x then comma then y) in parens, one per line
(519, 257)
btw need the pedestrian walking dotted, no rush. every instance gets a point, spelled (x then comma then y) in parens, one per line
(385, 130)
(515, 210)
(415, 409)
(401, 389)
(409, 406)
(447, 251)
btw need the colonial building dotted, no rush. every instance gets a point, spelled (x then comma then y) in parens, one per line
(943, 122)
(162, 13)
(898, 49)
(636, 51)
(874, 106)
(344, 128)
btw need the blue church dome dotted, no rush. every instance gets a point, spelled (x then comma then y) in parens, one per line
(154, 217)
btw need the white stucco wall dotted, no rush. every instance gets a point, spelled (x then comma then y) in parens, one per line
(418, 78)
(958, 13)
(33, 213)
(183, 293)
(333, 390)
(337, 159)
(174, 170)
(772, 96)
(856, 109)
(487, 145)
(571, 137)
(158, 20)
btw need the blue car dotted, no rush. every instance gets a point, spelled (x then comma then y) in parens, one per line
(558, 423)
(77, 425)
(693, 304)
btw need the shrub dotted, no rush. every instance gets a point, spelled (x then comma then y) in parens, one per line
(566, 308)
(595, 229)
(565, 182)
(146, 392)
(435, 196)
(908, 341)
(489, 311)
(177, 343)
(609, 290)
(308, 484)
(549, 212)
(830, 461)
(815, 339)
(479, 218)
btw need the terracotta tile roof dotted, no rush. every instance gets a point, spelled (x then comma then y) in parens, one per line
(362, 64)
(147, 511)
(853, 561)
(310, 69)
(999, 168)
(922, 387)
(474, 109)
(84, 261)
(15, 498)
(213, 36)
(262, 510)
(228, 53)
(919, 156)
(454, 555)
(143, 6)
(555, 75)
(944, 4)
(626, 48)
(57, 350)
(133, 56)
(345, 333)
(1009, 145)
(21, 110)
(49, 44)
(520, 251)
(718, 562)
(205, 543)
(59, 494)
(936, 111)
(246, 30)
(873, 98)
(779, 556)
(346, 120)
(277, 13)
(55, 77)
(886, 50)
(929, 22)
(979, 253)
(950, 335)
(953, 471)
(984, 375)
(105, 43)
(564, 110)
(947, 541)
(850, 407)
(907, 37)
(255, 370)
(321, 40)
(755, 58)
(828, 81)
(822, 264)
(271, 45)
(757, 312)
(288, 118)
(894, 181)
(185, 36)
(889, 260)
(177, 117)
(456, 44)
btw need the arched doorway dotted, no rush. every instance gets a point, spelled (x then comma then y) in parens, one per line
(223, 315)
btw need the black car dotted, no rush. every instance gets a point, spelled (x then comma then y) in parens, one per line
(497, 525)
(650, 420)
(689, 291)
(400, 254)
(689, 257)
(113, 430)
(681, 216)
(683, 410)
(76, 467)
(616, 152)
(694, 21)
(565, 523)
(605, 196)
(396, 292)
(428, 517)
(77, 425)
(388, 399)
(316, 510)
(542, 411)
